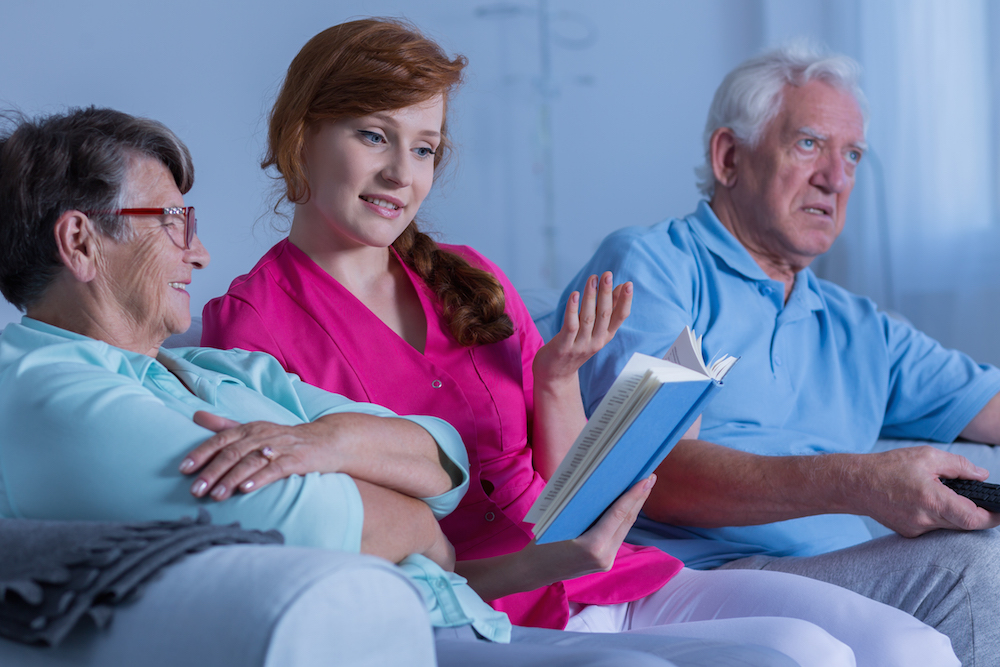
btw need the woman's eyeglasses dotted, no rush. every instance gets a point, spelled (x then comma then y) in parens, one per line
(186, 212)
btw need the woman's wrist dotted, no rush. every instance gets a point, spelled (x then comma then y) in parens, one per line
(561, 385)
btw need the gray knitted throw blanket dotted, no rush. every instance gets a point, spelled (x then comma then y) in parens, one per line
(53, 573)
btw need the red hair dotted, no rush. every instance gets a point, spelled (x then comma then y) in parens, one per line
(359, 68)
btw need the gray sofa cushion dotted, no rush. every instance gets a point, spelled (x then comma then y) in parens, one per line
(264, 606)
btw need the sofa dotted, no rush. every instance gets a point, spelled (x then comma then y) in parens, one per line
(255, 605)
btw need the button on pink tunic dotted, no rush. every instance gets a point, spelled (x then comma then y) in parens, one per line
(289, 307)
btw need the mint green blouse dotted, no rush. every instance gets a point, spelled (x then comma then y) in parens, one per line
(95, 432)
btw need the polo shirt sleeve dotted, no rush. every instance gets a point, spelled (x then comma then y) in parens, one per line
(933, 392)
(663, 276)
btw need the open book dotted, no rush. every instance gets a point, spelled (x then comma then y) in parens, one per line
(651, 404)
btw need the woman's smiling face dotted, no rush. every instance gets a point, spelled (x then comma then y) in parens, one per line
(147, 276)
(368, 176)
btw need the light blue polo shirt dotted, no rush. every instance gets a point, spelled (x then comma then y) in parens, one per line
(824, 372)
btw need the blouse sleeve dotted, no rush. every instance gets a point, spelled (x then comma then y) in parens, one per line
(84, 443)
(447, 438)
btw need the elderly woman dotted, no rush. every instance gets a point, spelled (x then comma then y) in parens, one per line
(97, 246)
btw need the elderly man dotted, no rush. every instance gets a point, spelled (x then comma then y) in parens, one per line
(822, 370)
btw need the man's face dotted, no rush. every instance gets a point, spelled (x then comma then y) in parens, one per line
(791, 191)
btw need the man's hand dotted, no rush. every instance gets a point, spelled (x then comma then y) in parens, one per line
(901, 489)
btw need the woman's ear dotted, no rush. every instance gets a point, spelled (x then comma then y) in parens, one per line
(78, 243)
(722, 149)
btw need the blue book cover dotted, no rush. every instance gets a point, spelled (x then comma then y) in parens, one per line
(642, 448)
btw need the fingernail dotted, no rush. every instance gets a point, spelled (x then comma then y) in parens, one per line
(593, 281)
(218, 492)
(574, 297)
(607, 278)
(628, 287)
(198, 488)
(246, 486)
(650, 481)
(982, 471)
(187, 465)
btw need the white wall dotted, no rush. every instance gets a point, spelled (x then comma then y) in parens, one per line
(630, 85)
(625, 94)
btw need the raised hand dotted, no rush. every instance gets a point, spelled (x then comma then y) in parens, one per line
(588, 325)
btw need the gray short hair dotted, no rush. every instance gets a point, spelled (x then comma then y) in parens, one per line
(750, 96)
(77, 160)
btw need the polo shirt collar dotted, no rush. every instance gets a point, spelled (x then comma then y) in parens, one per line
(806, 292)
(721, 243)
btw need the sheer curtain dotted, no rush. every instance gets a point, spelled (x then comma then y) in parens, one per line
(923, 230)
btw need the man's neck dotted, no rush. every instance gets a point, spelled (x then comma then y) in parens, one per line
(776, 268)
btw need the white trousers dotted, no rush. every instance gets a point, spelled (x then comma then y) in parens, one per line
(815, 623)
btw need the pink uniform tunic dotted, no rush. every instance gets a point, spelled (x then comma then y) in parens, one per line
(291, 308)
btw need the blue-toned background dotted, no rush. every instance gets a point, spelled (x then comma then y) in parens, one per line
(578, 117)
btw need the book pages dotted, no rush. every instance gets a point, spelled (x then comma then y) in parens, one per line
(686, 351)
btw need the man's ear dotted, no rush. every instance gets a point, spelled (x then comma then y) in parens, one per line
(78, 244)
(722, 149)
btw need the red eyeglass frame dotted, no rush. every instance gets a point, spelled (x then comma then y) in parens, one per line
(190, 222)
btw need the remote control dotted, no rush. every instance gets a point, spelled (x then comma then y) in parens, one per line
(984, 494)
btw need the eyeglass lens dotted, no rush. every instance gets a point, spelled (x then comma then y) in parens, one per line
(190, 227)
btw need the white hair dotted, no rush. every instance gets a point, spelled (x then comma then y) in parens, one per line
(751, 95)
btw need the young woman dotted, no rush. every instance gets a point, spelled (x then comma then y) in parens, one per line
(358, 301)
